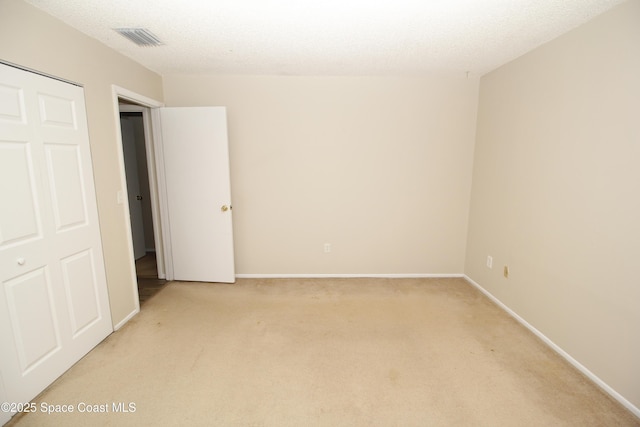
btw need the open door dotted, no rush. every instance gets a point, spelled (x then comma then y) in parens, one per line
(195, 156)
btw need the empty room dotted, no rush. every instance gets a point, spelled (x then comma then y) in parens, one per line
(350, 213)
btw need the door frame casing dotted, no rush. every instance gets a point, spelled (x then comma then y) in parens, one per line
(148, 107)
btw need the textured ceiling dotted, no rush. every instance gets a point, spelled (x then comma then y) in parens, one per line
(327, 37)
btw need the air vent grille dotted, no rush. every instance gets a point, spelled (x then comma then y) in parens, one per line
(140, 36)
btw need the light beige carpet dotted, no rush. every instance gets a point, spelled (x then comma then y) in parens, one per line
(348, 352)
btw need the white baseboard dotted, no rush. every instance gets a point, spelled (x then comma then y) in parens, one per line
(121, 323)
(344, 276)
(604, 386)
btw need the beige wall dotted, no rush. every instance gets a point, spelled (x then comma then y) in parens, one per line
(380, 167)
(33, 39)
(556, 193)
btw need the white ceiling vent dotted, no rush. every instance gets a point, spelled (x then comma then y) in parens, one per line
(140, 36)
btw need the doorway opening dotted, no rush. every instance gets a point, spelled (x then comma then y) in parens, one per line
(139, 165)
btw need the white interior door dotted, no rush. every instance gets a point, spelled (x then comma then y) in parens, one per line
(4, 415)
(133, 187)
(196, 171)
(53, 295)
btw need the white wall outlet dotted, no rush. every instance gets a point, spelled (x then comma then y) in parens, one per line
(489, 261)
(119, 197)
(327, 248)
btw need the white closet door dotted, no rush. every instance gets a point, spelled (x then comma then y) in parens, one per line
(53, 295)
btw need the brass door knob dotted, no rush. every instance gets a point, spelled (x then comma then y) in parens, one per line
(224, 208)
